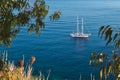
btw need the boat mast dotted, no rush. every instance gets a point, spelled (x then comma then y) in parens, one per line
(82, 26)
(77, 25)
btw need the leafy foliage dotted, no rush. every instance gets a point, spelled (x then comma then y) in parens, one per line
(109, 36)
(108, 66)
(55, 16)
(17, 13)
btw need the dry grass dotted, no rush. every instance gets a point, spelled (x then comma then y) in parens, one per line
(12, 72)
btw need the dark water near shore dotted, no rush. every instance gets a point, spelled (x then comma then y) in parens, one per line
(54, 49)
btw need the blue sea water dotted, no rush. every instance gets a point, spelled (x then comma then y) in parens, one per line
(56, 50)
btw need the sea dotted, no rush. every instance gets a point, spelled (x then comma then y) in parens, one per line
(55, 50)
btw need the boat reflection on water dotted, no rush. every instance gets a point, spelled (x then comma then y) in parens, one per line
(81, 43)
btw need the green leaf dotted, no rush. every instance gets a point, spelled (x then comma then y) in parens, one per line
(108, 33)
(100, 29)
(117, 45)
(55, 16)
(101, 73)
(104, 30)
(110, 39)
(115, 36)
(31, 28)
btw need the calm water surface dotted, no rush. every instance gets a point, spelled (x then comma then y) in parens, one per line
(54, 49)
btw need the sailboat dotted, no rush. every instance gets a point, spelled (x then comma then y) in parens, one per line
(80, 34)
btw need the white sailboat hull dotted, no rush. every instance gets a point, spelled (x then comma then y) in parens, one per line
(79, 35)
